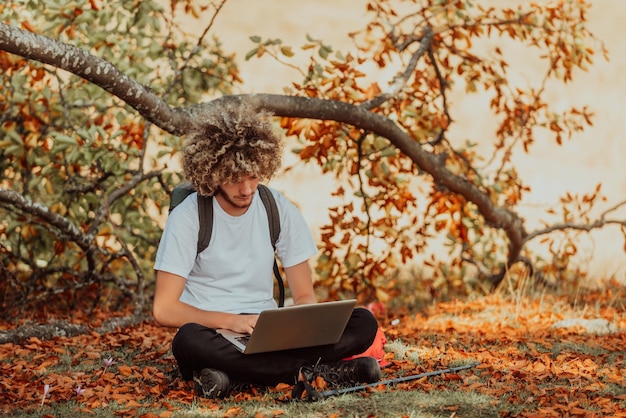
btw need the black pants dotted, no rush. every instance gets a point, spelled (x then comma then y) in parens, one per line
(196, 347)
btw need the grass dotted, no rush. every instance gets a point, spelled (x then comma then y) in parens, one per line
(386, 403)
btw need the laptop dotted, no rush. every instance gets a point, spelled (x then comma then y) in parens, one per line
(294, 327)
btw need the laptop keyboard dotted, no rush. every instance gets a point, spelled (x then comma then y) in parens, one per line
(243, 339)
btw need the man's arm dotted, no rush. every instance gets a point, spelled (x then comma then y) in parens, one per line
(301, 283)
(169, 311)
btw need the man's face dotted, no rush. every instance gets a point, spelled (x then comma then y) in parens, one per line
(239, 195)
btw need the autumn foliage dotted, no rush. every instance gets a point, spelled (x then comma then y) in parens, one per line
(86, 180)
(392, 212)
(526, 366)
(86, 173)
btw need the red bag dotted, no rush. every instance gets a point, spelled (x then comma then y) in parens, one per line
(376, 350)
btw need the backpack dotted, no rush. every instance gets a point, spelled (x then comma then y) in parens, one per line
(205, 217)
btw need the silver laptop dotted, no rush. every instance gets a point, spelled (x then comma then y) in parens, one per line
(294, 327)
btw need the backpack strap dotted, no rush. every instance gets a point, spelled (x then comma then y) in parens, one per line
(272, 212)
(274, 221)
(281, 285)
(205, 217)
(205, 212)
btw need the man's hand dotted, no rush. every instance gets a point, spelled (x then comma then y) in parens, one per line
(244, 323)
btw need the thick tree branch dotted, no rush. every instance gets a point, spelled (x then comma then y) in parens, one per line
(177, 120)
(57, 329)
(95, 70)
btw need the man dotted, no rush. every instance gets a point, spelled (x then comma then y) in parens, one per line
(229, 283)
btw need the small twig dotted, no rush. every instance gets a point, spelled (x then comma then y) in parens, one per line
(400, 80)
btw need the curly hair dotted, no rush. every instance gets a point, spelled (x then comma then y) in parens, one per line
(229, 142)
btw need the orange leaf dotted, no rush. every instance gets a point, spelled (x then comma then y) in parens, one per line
(26, 25)
(125, 370)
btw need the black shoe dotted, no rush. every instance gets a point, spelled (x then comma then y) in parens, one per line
(215, 384)
(211, 384)
(345, 372)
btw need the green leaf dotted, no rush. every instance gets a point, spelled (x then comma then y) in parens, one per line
(64, 139)
(251, 53)
(15, 150)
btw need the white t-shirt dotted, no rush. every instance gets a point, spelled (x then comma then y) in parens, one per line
(234, 273)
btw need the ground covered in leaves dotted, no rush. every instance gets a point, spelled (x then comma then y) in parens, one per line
(528, 366)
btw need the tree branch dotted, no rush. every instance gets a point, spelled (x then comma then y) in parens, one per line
(16, 200)
(312, 108)
(599, 223)
(95, 70)
(118, 193)
(177, 120)
(64, 329)
(400, 80)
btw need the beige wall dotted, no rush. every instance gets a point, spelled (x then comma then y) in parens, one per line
(595, 156)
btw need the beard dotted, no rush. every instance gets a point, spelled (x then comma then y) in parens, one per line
(237, 201)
